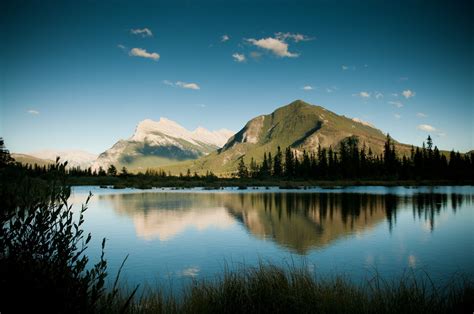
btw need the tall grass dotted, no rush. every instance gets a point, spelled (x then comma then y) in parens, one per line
(271, 289)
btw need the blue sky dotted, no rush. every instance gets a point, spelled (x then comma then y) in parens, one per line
(82, 74)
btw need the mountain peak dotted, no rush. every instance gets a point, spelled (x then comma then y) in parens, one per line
(148, 129)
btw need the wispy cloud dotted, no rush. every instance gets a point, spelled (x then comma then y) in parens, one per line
(408, 93)
(225, 38)
(188, 85)
(239, 57)
(426, 128)
(182, 84)
(307, 87)
(144, 32)
(348, 67)
(277, 46)
(378, 95)
(421, 115)
(33, 112)
(396, 104)
(364, 94)
(397, 116)
(139, 52)
(122, 47)
(295, 37)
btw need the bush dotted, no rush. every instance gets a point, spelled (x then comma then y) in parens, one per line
(42, 260)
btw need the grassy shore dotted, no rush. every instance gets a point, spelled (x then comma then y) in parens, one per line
(271, 289)
(148, 182)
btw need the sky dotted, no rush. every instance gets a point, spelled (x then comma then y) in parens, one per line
(82, 74)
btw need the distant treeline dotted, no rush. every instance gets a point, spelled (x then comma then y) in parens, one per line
(351, 161)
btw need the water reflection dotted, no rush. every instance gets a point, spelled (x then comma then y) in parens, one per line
(297, 221)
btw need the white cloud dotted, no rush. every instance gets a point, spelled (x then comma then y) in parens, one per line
(441, 134)
(408, 93)
(121, 46)
(239, 57)
(394, 94)
(364, 94)
(295, 37)
(378, 95)
(188, 85)
(396, 104)
(426, 127)
(397, 116)
(225, 38)
(33, 112)
(139, 52)
(421, 115)
(144, 32)
(182, 85)
(308, 87)
(348, 67)
(277, 46)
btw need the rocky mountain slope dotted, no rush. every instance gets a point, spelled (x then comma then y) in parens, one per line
(299, 125)
(158, 143)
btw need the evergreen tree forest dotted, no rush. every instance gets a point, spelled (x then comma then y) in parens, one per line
(351, 160)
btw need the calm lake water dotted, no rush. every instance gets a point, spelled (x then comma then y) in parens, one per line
(174, 235)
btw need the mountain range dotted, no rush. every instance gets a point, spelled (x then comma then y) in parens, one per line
(166, 145)
(298, 125)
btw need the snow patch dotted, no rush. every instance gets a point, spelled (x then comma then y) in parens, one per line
(363, 122)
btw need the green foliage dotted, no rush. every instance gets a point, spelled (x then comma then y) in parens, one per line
(352, 162)
(42, 247)
(242, 171)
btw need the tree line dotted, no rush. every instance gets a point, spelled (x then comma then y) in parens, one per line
(354, 161)
(349, 160)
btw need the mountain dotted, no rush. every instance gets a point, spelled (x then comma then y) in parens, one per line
(75, 158)
(31, 160)
(299, 125)
(158, 143)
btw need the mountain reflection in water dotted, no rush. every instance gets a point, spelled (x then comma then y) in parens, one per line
(297, 221)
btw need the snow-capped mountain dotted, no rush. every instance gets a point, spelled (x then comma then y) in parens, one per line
(153, 131)
(162, 142)
(75, 158)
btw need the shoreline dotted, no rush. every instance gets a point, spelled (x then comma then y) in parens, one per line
(286, 184)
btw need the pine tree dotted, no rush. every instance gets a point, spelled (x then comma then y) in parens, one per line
(277, 167)
(112, 171)
(124, 172)
(289, 163)
(242, 169)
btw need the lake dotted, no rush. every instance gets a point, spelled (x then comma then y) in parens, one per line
(172, 236)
